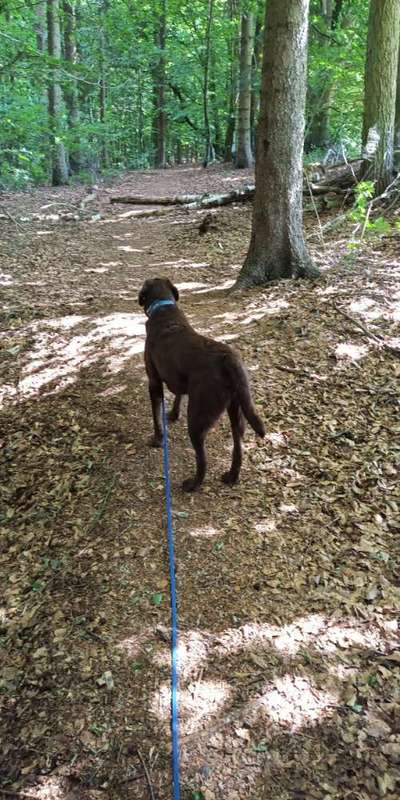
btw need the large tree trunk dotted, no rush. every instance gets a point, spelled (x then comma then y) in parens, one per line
(59, 161)
(160, 117)
(71, 89)
(380, 91)
(244, 155)
(277, 247)
(397, 121)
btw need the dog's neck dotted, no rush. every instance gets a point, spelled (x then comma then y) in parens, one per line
(158, 304)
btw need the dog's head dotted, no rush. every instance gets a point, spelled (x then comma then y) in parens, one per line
(157, 289)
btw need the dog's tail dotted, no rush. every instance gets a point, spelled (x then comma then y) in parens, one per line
(240, 386)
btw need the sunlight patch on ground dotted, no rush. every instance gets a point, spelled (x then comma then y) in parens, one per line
(199, 700)
(350, 352)
(192, 653)
(180, 262)
(110, 263)
(49, 788)
(219, 287)
(228, 337)
(6, 279)
(43, 233)
(112, 339)
(189, 285)
(204, 532)
(313, 630)
(133, 645)
(367, 308)
(273, 307)
(294, 702)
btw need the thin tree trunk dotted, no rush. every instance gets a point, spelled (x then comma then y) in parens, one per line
(160, 117)
(255, 82)
(380, 91)
(103, 84)
(209, 150)
(71, 90)
(277, 247)
(244, 155)
(59, 160)
(232, 84)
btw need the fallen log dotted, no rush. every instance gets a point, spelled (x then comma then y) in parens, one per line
(188, 200)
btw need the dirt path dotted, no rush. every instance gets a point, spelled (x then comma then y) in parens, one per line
(288, 584)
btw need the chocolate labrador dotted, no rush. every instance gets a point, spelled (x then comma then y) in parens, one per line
(209, 372)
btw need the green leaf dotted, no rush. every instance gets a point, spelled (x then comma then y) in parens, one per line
(156, 599)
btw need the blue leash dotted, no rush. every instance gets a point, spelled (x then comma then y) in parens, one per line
(174, 615)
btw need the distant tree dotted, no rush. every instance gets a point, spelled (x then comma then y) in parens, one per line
(244, 155)
(277, 247)
(209, 149)
(380, 91)
(59, 160)
(160, 80)
(71, 85)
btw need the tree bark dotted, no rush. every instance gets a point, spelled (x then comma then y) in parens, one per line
(277, 247)
(59, 160)
(231, 89)
(244, 155)
(71, 89)
(397, 120)
(103, 84)
(209, 150)
(380, 91)
(160, 117)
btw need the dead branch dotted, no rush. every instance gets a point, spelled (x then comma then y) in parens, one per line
(146, 772)
(377, 337)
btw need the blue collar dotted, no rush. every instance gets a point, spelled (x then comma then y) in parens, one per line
(157, 304)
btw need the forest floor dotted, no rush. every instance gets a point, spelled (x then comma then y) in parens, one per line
(288, 584)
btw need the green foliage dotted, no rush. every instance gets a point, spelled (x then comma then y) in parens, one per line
(119, 40)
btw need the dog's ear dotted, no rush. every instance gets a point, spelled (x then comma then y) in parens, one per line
(143, 293)
(174, 290)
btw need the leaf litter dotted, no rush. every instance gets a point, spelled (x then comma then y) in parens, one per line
(288, 584)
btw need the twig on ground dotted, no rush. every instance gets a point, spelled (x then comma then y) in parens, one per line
(11, 218)
(377, 337)
(103, 505)
(146, 772)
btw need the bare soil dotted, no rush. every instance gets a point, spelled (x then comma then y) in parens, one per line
(288, 584)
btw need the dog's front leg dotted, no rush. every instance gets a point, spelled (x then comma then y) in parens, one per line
(155, 391)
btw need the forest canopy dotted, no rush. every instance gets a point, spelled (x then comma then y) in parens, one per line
(159, 83)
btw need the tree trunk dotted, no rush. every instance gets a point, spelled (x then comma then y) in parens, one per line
(231, 90)
(380, 91)
(277, 247)
(244, 155)
(397, 122)
(160, 117)
(71, 90)
(59, 161)
(209, 150)
(103, 84)
(255, 73)
(320, 103)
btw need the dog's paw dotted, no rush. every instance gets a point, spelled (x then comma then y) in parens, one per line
(190, 485)
(229, 479)
(155, 441)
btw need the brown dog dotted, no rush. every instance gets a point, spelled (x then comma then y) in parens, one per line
(210, 372)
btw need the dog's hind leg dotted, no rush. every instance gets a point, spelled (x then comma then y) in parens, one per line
(173, 415)
(238, 426)
(155, 391)
(203, 412)
(197, 438)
